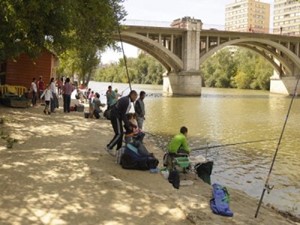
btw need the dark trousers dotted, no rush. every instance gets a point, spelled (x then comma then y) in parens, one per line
(34, 96)
(54, 102)
(118, 129)
(47, 103)
(96, 114)
(67, 102)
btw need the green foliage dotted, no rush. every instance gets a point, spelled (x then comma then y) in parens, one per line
(241, 68)
(218, 70)
(82, 61)
(30, 26)
(142, 70)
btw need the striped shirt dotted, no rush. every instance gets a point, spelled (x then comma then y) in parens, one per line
(68, 88)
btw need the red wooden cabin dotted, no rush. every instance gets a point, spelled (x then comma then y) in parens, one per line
(21, 70)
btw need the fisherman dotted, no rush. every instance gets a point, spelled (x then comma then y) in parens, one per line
(179, 143)
(178, 146)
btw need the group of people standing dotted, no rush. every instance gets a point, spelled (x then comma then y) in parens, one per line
(49, 93)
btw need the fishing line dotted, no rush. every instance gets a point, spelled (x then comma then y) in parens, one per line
(267, 186)
(122, 47)
(231, 144)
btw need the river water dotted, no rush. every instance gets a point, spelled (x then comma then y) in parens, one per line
(244, 124)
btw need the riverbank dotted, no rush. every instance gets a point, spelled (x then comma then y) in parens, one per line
(58, 173)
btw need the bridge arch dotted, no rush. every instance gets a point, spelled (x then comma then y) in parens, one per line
(168, 59)
(261, 46)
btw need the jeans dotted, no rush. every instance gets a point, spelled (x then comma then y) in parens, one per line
(54, 102)
(67, 102)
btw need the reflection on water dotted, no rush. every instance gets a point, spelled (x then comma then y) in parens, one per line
(228, 116)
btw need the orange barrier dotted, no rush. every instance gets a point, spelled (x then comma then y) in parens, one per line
(18, 90)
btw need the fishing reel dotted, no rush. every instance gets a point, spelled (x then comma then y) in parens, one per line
(269, 188)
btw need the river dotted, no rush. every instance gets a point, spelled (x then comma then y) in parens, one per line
(246, 123)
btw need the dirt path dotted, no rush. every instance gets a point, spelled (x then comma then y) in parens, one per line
(59, 173)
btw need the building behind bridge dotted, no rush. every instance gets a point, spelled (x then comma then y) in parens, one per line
(248, 16)
(286, 17)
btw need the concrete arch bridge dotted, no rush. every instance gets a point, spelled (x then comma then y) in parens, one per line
(184, 46)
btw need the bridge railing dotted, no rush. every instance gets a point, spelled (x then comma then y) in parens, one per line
(148, 23)
(205, 26)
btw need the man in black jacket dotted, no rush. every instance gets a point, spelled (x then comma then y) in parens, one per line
(118, 114)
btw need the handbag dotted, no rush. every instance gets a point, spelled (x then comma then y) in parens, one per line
(107, 114)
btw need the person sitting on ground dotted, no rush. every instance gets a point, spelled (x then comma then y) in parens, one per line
(136, 133)
(96, 105)
(178, 146)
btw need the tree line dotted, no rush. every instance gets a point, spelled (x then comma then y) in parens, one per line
(142, 70)
(237, 68)
(228, 68)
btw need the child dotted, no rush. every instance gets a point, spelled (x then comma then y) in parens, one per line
(137, 134)
(48, 96)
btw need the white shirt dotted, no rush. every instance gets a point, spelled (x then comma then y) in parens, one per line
(33, 86)
(48, 94)
(53, 87)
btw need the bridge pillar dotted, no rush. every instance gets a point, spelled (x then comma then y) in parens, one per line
(285, 85)
(182, 84)
(187, 82)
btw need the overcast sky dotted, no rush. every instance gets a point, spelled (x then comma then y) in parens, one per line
(211, 12)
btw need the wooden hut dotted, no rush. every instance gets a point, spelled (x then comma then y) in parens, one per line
(21, 70)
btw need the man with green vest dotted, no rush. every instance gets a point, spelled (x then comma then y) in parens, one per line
(179, 143)
(177, 147)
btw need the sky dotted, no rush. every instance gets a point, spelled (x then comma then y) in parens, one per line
(211, 13)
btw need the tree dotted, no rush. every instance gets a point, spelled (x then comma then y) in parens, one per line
(239, 68)
(142, 70)
(30, 26)
(82, 62)
(219, 69)
(242, 80)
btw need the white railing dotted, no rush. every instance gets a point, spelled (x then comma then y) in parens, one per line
(220, 27)
(146, 23)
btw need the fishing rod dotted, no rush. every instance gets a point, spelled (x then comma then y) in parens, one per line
(267, 186)
(231, 144)
(124, 91)
(122, 47)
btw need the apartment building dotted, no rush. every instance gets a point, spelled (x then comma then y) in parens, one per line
(248, 16)
(286, 17)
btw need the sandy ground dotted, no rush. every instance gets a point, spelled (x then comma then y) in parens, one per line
(59, 173)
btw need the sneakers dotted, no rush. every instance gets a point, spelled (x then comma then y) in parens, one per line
(110, 151)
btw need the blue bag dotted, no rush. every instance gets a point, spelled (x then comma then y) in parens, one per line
(219, 203)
